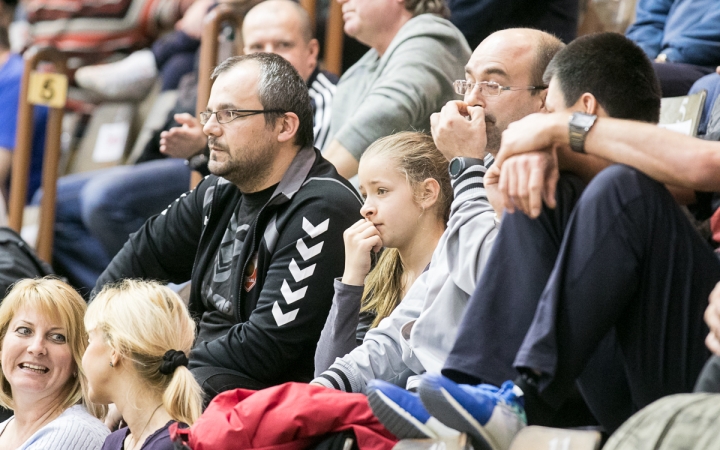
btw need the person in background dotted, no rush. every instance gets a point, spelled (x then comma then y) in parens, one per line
(42, 380)
(682, 37)
(91, 30)
(710, 83)
(170, 57)
(406, 76)
(140, 337)
(11, 71)
(96, 211)
(479, 19)
(406, 186)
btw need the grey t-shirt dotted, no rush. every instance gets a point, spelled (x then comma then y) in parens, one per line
(398, 91)
(219, 316)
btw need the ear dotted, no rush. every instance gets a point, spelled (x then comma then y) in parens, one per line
(312, 58)
(429, 191)
(288, 126)
(588, 103)
(542, 96)
(314, 48)
(115, 358)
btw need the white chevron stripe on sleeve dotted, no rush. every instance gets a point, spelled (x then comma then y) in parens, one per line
(315, 231)
(306, 252)
(282, 319)
(299, 274)
(289, 295)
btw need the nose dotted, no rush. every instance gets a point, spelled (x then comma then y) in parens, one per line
(212, 126)
(37, 345)
(475, 97)
(368, 209)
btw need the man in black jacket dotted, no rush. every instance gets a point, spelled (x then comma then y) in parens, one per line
(261, 238)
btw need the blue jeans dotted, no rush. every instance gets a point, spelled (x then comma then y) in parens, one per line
(97, 211)
(711, 83)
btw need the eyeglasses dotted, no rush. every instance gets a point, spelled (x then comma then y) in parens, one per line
(228, 115)
(490, 88)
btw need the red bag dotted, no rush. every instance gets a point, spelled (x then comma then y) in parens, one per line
(292, 416)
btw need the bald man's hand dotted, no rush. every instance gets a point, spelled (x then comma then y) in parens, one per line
(459, 130)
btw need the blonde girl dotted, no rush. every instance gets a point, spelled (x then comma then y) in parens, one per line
(405, 182)
(140, 338)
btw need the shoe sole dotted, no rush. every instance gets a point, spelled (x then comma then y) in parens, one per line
(398, 421)
(441, 405)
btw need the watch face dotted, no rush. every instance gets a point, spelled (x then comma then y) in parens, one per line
(455, 166)
(583, 120)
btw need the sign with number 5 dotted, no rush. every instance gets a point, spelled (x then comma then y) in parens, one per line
(48, 89)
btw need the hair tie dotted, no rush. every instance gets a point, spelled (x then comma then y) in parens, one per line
(172, 360)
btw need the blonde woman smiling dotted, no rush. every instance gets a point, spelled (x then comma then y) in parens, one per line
(43, 341)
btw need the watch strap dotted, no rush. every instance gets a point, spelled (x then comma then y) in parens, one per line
(458, 165)
(579, 126)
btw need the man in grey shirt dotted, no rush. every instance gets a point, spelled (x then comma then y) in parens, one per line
(406, 76)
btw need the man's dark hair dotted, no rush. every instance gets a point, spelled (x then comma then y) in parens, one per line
(613, 69)
(281, 87)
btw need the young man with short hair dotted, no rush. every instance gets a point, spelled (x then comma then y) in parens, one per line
(608, 283)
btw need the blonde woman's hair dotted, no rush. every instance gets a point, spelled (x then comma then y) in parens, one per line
(417, 158)
(58, 302)
(141, 321)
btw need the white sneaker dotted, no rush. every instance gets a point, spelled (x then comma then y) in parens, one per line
(128, 79)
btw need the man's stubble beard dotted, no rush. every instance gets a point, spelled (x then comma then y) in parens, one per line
(492, 133)
(494, 136)
(248, 170)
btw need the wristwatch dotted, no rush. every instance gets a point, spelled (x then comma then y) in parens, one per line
(460, 163)
(580, 124)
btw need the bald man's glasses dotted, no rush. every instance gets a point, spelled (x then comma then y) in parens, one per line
(228, 115)
(490, 88)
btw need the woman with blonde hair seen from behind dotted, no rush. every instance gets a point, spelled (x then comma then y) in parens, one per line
(140, 335)
(405, 182)
(42, 380)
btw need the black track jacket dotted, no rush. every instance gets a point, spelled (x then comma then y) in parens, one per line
(298, 237)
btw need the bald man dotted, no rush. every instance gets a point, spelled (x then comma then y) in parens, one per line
(283, 27)
(98, 210)
(406, 75)
(503, 83)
